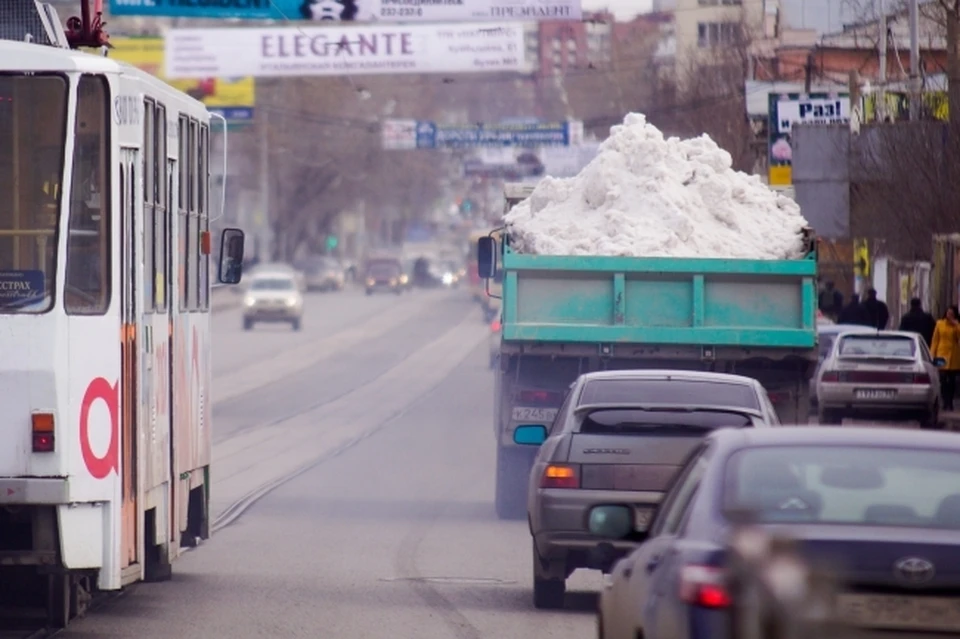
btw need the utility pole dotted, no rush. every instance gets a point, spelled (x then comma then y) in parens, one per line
(856, 109)
(808, 73)
(915, 97)
(882, 101)
(262, 243)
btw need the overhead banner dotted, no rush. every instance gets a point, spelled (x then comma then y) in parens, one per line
(418, 134)
(357, 10)
(233, 98)
(343, 50)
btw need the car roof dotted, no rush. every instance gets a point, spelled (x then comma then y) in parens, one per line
(654, 374)
(860, 436)
(844, 328)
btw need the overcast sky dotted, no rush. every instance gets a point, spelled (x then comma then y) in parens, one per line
(624, 9)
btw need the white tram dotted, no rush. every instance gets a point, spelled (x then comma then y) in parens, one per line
(104, 324)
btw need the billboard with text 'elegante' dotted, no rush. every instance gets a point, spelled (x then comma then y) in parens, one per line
(343, 50)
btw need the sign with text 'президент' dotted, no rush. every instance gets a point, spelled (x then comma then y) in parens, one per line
(344, 50)
(419, 134)
(332, 11)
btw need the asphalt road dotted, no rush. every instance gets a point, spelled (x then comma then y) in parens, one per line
(383, 407)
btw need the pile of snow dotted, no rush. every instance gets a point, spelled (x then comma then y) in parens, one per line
(647, 196)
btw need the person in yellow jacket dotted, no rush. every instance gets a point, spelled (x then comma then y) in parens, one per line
(946, 346)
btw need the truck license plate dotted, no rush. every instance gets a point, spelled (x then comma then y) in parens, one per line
(530, 414)
(874, 393)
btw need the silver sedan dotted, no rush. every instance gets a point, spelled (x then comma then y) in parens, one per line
(885, 375)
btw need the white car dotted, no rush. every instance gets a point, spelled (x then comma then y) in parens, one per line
(273, 297)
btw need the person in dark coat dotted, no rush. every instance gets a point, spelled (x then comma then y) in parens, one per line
(830, 301)
(854, 313)
(918, 321)
(876, 310)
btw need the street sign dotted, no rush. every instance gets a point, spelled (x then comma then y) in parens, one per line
(399, 134)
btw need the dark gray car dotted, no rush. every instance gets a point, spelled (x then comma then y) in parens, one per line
(619, 438)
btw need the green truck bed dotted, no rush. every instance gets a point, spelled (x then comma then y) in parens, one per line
(669, 301)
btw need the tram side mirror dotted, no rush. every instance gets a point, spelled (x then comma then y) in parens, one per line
(487, 257)
(231, 256)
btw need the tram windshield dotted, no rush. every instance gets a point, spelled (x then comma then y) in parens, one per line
(33, 118)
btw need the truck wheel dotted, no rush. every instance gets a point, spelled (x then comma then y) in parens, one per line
(513, 470)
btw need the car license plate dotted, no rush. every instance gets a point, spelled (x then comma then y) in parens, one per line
(874, 393)
(890, 612)
(530, 414)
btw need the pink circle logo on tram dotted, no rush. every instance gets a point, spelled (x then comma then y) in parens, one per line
(101, 467)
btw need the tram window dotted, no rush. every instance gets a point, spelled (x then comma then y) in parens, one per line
(149, 150)
(161, 215)
(88, 241)
(203, 278)
(193, 245)
(183, 273)
(33, 127)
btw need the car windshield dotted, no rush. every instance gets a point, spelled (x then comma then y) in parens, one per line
(659, 422)
(272, 284)
(846, 485)
(672, 391)
(383, 270)
(877, 346)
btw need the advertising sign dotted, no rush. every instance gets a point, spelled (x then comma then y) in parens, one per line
(419, 134)
(405, 11)
(343, 50)
(21, 288)
(788, 109)
(233, 98)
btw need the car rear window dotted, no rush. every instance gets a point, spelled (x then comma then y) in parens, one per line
(851, 485)
(658, 422)
(877, 346)
(669, 391)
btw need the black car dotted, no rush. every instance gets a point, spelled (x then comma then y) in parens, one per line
(879, 505)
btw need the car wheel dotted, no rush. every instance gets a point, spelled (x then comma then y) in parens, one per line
(247, 324)
(296, 324)
(930, 420)
(830, 418)
(369, 292)
(600, 634)
(548, 594)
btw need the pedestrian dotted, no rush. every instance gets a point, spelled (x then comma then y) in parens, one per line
(876, 310)
(918, 321)
(830, 301)
(854, 313)
(946, 346)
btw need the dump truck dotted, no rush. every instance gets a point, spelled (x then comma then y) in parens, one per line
(562, 316)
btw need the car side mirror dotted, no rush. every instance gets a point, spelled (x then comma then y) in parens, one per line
(231, 256)
(487, 257)
(530, 435)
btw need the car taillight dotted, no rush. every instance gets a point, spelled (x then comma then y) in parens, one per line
(704, 586)
(495, 326)
(830, 376)
(42, 427)
(921, 378)
(560, 476)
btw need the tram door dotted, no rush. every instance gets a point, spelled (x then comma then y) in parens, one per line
(129, 163)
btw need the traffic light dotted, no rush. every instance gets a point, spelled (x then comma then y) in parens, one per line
(332, 242)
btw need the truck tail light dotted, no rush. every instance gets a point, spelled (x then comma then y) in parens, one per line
(42, 428)
(830, 376)
(560, 476)
(704, 586)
